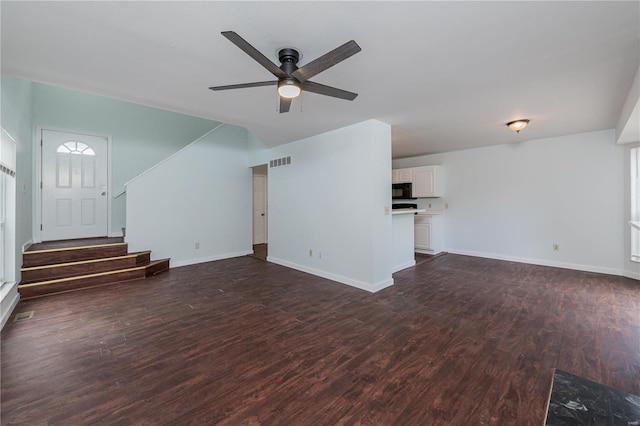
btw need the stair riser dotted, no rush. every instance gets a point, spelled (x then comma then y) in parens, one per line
(63, 286)
(143, 258)
(51, 273)
(65, 256)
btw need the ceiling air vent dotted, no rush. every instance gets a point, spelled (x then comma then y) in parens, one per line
(284, 161)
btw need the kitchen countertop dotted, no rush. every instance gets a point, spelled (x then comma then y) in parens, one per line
(430, 213)
(407, 211)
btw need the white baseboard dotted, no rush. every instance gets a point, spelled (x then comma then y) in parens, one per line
(187, 262)
(632, 275)
(9, 305)
(431, 252)
(333, 277)
(402, 266)
(541, 262)
(26, 245)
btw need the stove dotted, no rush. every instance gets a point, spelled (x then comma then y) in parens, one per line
(404, 206)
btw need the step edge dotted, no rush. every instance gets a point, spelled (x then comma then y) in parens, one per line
(79, 262)
(36, 296)
(73, 248)
(79, 277)
(154, 262)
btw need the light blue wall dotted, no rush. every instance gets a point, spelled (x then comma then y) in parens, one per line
(17, 120)
(141, 136)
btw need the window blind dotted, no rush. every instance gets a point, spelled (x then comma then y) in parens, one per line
(7, 154)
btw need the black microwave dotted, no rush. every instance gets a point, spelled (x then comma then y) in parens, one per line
(401, 191)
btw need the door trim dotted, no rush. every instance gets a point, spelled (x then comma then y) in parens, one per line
(37, 178)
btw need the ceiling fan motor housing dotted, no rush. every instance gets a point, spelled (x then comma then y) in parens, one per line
(289, 58)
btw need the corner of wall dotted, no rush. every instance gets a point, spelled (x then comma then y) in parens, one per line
(10, 299)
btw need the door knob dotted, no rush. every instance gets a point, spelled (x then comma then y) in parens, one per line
(104, 193)
(262, 214)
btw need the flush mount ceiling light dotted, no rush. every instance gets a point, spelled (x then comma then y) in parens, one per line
(518, 125)
(288, 88)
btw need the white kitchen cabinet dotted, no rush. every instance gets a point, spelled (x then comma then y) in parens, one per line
(428, 233)
(402, 175)
(426, 180)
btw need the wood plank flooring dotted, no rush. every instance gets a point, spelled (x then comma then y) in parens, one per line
(456, 341)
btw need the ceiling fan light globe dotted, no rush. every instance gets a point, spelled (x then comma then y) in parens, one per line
(288, 89)
(518, 125)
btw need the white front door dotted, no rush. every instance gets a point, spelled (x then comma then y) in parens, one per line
(259, 209)
(74, 186)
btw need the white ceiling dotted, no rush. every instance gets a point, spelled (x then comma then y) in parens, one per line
(445, 75)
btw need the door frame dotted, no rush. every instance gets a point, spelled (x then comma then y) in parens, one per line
(37, 177)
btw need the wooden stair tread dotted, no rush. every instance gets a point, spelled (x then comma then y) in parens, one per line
(72, 254)
(74, 267)
(74, 243)
(59, 249)
(79, 277)
(78, 262)
(62, 285)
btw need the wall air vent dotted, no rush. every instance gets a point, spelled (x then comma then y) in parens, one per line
(284, 161)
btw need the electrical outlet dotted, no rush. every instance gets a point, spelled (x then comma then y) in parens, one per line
(319, 255)
(386, 210)
(446, 205)
(197, 246)
(429, 205)
(310, 253)
(556, 247)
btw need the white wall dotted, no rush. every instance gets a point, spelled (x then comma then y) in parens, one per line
(331, 200)
(202, 194)
(515, 201)
(17, 120)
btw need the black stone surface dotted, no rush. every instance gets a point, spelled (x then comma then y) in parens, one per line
(578, 401)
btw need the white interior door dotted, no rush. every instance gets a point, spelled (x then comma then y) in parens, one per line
(74, 186)
(259, 209)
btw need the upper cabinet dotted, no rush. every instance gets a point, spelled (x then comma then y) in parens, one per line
(426, 180)
(402, 176)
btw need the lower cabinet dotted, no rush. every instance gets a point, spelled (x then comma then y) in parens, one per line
(428, 234)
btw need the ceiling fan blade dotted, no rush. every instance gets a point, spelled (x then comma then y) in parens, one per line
(321, 89)
(244, 85)
(254, 53)
(327, 60)
(285, 104)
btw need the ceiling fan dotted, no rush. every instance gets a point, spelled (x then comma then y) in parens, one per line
(291, 79)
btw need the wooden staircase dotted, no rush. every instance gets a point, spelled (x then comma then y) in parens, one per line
(55, 267)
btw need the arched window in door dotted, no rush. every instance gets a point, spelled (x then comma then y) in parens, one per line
(78, 156)
(77, 148)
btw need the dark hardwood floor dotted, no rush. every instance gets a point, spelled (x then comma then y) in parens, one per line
(456, 341)
(80, 242)
(260, 251)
